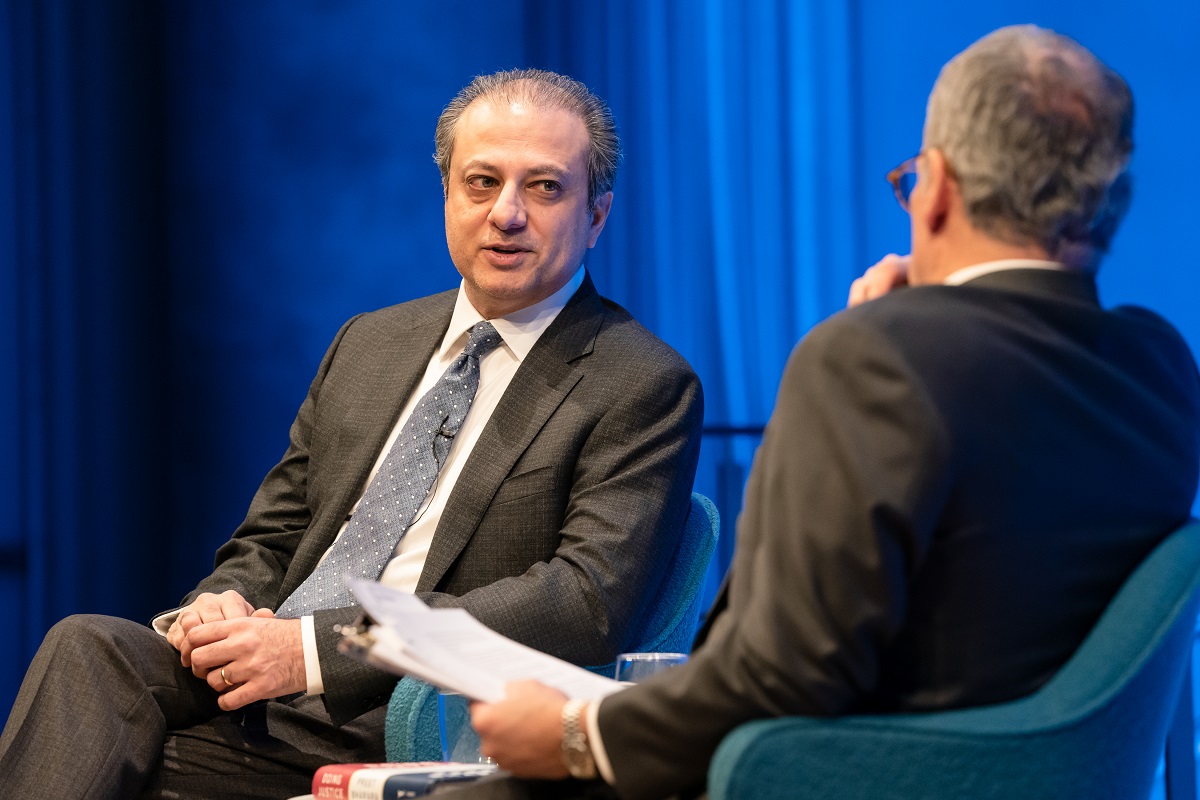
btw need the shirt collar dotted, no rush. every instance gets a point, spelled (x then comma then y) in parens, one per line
(961, 276)
(520, 330)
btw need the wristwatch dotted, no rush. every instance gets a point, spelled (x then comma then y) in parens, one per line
(577, 755)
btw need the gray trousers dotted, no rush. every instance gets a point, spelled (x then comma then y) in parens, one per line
(107, 711)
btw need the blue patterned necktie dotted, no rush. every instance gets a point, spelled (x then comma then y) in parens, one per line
(399, 488)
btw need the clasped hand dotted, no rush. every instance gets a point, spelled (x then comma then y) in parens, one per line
(243, 653)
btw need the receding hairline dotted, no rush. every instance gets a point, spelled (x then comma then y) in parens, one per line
(538, 94)
(522, 105)
(547, 167)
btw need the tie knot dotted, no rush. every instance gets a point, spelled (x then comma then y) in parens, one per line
(482, 339)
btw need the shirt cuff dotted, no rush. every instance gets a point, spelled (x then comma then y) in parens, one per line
(312, 664)
(599, 754)
(163, 622)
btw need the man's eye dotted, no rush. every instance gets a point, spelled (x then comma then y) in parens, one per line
(481, 182)
(548, 187)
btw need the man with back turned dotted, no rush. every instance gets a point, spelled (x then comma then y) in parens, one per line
(958, 474)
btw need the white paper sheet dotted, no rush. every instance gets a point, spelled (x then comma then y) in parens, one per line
(451, 649)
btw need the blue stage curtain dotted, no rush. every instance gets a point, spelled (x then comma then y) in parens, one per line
(84, 274)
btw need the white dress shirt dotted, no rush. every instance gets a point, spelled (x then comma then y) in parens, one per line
(961, 276)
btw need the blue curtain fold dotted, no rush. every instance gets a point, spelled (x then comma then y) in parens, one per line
(85, 274)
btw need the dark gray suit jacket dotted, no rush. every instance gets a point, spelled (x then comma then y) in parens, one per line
(559, 525)
(954, 482)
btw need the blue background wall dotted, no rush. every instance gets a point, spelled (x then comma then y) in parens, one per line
(195, 194)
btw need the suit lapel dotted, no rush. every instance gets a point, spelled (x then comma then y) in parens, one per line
(541, 383)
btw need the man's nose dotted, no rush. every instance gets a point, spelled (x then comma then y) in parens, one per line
(508, 212)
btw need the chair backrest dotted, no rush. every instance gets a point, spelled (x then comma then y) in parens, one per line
(1136, 650)
(411, 730)
(1096, 729)
(1152, 619)
(674, 615)
(1120, 688)
(1103, 718)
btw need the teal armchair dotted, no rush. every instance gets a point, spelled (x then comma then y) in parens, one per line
(1095, 730)
(411, 730)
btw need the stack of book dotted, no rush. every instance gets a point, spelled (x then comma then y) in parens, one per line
(391, 781)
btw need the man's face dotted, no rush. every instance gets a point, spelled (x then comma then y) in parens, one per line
(517, 221)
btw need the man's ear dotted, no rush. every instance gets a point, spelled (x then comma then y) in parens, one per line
(599, 216)
(939, 192)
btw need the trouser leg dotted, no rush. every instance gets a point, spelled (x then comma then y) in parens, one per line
(107, 711)
(92, 713)
(269, 751)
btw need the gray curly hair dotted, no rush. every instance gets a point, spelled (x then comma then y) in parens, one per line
(1038, 133)
(541, 89)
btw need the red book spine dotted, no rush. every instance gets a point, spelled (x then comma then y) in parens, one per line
(332, 781)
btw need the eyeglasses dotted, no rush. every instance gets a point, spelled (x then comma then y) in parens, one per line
(903, 179)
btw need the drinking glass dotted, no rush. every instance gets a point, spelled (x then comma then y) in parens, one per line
(636, 667)
(460, 742)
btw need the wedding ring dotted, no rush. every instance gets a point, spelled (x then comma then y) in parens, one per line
(225, 677)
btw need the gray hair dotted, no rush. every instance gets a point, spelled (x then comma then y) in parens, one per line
(1038, 133)
(541, 89)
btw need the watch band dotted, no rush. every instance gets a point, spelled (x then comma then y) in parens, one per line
(577, 754)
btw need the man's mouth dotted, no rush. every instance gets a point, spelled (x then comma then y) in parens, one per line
(506, 256)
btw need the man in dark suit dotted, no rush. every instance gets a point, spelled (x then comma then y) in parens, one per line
(957, 476)
(554, 504)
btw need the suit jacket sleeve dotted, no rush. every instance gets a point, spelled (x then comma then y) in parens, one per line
(839, 509)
